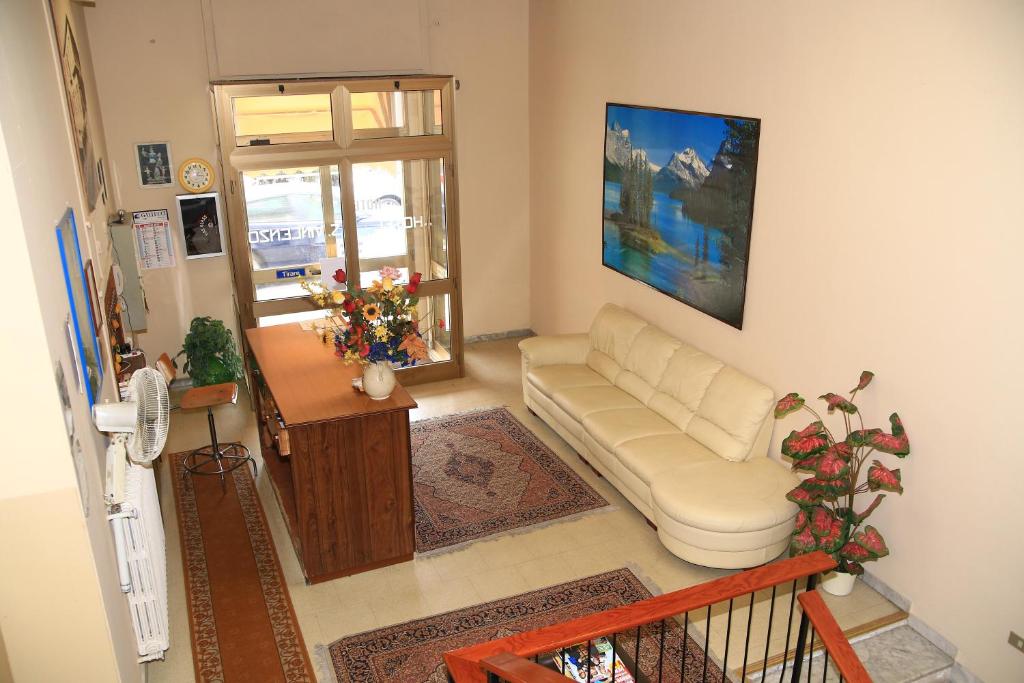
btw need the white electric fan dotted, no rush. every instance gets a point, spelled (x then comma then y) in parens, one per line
(138, 427)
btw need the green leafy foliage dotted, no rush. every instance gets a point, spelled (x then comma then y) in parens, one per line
(211, 356)
(827, 520)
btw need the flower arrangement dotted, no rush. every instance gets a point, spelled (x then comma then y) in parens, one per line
(827, 519)
(377, 324)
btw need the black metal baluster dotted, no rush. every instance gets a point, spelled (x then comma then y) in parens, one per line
(615, 639)
(810, 655)
(564, 657)
(686, 640)
(661, 651)
(801, 636)
(728, 633)
(824, 674)
(768, 637)
(707, 646)
(636, 656)
(746, 644)
(789, 632)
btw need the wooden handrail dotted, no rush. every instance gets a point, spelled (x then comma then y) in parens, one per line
(836, 644)
(465, 665)
(515, 669)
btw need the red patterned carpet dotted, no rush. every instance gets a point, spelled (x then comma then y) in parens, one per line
(411, 652)
(484, 473)
(242, 621)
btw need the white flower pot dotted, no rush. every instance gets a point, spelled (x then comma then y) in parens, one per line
(838, 583)
(378, 380)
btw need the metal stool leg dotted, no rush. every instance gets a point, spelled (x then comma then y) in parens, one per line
(217, 459)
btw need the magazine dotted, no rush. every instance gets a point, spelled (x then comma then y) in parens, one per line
(601, 657)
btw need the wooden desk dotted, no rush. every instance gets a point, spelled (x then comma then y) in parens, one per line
(339, 461)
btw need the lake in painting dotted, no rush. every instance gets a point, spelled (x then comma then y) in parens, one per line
(678, 199)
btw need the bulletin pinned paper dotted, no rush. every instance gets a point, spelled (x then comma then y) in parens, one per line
(153, 238)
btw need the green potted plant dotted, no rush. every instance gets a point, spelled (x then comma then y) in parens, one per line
(829, 519)
(211, 356)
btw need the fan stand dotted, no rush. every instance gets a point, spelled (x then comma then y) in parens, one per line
(215, 459)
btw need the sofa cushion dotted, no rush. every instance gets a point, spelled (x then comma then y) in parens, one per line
(611, 336)
(682, 386)
(731, 414)
(612, 427)
(649, 456)
(551, 378)
(582, 401)
(648, 357)
(727, 497)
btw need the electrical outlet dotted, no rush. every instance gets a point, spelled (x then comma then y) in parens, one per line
(1016, 641)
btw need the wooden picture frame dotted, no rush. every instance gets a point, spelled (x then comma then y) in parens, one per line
(94, 298)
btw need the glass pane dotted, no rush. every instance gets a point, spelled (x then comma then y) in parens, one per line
(285, 209)
(279, 119)
(434, 315)
(298, 317)
(400, 218)
(396, 114)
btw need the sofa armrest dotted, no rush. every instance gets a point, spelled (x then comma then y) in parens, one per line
(559, 349)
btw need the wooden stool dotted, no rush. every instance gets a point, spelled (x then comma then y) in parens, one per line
(215, 458)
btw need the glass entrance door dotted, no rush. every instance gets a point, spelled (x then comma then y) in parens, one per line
(372, 186)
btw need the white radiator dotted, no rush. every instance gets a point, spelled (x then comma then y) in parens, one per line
(142, 560)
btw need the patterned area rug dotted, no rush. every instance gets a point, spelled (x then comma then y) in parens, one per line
(241, 618)
(484, 473)
(412, 652)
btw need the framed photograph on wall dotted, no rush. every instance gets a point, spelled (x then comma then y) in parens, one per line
(153, 161)
(81, 328)
(678, 203)
(201, 225)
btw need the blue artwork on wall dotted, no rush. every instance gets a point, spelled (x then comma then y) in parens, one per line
(678, 203)
(83, 325)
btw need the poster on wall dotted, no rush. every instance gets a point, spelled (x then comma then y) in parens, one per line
(153, 162)
(678, 203)
(201, 225)
(78, 106)
(153, 238)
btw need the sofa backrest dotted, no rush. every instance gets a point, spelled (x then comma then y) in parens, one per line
(716, 404)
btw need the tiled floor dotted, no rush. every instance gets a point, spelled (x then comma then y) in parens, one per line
(486, 570)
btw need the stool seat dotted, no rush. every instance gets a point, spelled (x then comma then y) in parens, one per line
(210, 396)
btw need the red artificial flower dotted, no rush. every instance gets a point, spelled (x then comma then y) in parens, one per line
(348, 305)
(365, 351)
(414, 283)
(340, 275)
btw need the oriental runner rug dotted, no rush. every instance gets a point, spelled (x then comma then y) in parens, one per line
(484, 473)
(412, 652)
(241, 618)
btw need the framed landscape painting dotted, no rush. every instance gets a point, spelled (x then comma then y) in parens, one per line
(679, 202)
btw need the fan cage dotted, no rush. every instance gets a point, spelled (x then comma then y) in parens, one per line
(148, 390)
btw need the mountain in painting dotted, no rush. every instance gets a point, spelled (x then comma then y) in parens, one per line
(684, 169)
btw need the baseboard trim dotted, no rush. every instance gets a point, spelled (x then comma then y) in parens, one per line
(887, 591)
(495, 336)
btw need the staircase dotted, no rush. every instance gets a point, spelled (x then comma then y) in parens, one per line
(893, 654)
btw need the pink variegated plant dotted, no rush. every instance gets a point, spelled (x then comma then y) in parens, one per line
(828, 519)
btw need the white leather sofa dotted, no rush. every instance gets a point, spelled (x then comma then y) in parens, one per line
(681, 435)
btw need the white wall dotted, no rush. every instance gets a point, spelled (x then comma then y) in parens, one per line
(887, 236)
(153, 72)
(58, 581)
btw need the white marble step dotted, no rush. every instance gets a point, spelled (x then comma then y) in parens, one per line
(897, 654)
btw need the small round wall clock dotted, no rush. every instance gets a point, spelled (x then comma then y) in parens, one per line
(196, 175)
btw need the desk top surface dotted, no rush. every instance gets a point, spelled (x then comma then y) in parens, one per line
(309, 383)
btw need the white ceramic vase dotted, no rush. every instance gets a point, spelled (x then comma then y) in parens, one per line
(378, 380)
(838, 583)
